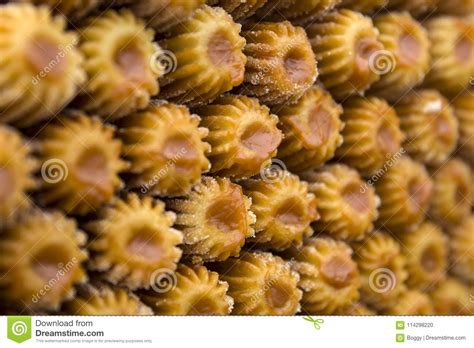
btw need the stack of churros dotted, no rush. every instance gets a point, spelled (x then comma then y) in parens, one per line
(226, 157)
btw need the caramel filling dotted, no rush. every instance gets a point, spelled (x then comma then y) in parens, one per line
(228, 213)
(339, 271)
(92, 167)
(320, 126)
(297, 67)
(203, 306)
(278, 294)
(144, 243)
(223, 53)
(409, 48)
(261, 140)
(291, 212)
(357, 199)
(430, 259)
(6, 184)
(131, 62)
(316, 129)
(418, 193)
(442, 128)
(464, 50)
(49, 261)
(46, 57)
(364, 48)
(386, 141)
(181, 153)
